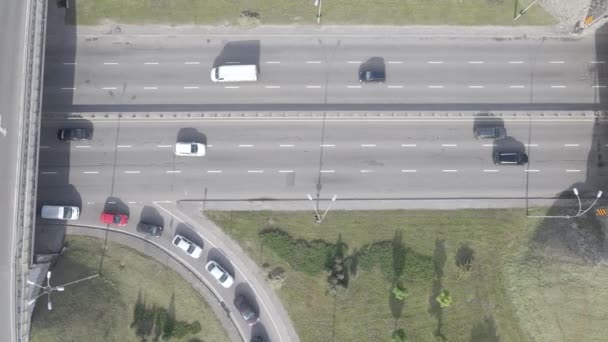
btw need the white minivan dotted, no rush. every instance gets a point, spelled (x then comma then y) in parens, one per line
(235, 73)
(59, 212)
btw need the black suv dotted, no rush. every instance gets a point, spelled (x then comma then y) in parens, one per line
(510, 158)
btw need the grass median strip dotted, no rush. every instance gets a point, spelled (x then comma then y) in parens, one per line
(357, 12)
(458, 275)
(134, 299)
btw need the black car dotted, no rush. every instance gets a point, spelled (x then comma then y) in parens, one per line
(510, 158)
(149, 229)
(368, 76)
(75, 134)
(246, 310)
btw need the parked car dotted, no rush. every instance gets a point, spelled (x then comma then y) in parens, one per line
(60, 212)
(219, 274)
(246, 310)
(510, 158)
(490, 133)
(189, 149)
(75, 134)
(114, 218)
(149, 229)
(187, 246)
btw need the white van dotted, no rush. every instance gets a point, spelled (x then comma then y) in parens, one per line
(235, 73)
(58, 212)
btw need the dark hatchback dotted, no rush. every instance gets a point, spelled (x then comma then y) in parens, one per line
(150, 229)
(75, 134)
(510, 158)
(369, 76)
(246, 310)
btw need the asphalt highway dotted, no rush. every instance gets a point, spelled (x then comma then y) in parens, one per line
(134, 161)
(12, 34)
(147, 70)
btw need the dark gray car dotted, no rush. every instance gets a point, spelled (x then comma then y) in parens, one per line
(510, 158)
(490, 133)
(150, 229)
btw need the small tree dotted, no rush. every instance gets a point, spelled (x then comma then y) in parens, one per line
(444, 299)
(399, 336)
(400, 292)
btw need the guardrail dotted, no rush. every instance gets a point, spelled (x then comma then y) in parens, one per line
(27, 160)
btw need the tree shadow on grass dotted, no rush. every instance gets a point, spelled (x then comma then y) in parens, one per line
(485, 331)
(439, 259)
(399, 254)
(465, 257)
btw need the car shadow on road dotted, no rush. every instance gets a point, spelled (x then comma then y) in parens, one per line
(151, 215)
(116, 205)
(245, 52)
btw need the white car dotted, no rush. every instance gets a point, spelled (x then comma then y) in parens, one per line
(187, 246)
(219, 274)
(190, 149)
(58, 212)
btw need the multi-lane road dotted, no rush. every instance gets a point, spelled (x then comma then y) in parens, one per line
(142, 70)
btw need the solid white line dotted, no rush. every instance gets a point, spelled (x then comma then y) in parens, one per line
(366, 171)
(214, 171)
(313, 62)
(125, 146)
(353, 87)
(286, 145)
(490, 170)
(489, 145)
(49, 172)
(244, 145)
(516, 62)
(190, 87)
(353, 62)
(395, 62)
(255, 171)
(173, 171)
(556, 62)
(150, 88)
(571, 145)
(132, 171)
(598, 86)
(475, 62)
(408, 145)
(368, 145)
(151, 63)
(68, 88)
(273, 62)
(327, 171)
(131, 202)
(110, 63)
(192, 63)
(408, 171)
(44, 146)
(83, 146)
(476, 86)
(285, 171)
(395, 86)
(449, 170)
(435, 86)
(571, 170)
(328, 145)
(272, 87)
(91, 172)
(435, 62)
(109, 88)
(516, 86)
(313, 86)
(231, 87)
(164, 146)
(597, 62)
(532, 170)
(449, 145)
(558, 86)
(531, 145)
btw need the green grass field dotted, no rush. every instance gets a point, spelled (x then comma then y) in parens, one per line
(356, 12)
(103, 309)
(506, 295)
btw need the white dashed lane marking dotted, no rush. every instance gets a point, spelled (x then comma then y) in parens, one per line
(313, 86)
(449, 171)
(286, 171)
(532, 170)
(192, 63)
(556, 62)
(214, 171)
(192, 87)
(151, 63)
(231, 87)
(558, 86)
(490, 170)
(110, 63)
(368, 145)
(571, 170)
(255, 171)
(516, 86)
(435, 86)
(366, 171)
(150, 88)
(327, 171)
(394, 86)
(273, 62)
(313, 62)
(531, 145)
(353, 87)
(272, 87)
(91, 172)
(173, 171)
(475, 62)
(435, 62)
(597, 62)
(83, 146)
(571, 145)
(328, 145)
(123, 146)
(164, 146)
(516, 62)
(449, 145)
(395, 62)
(408, 145)
(476, 86)
(408, 171)
(246, 145)
(133, 172)
(286, 145)
(109, 88)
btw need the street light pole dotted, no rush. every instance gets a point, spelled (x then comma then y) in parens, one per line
(333, 199)
(319, 4)
(580, 207)
(46, 290)
(317, 215)
(522, 12)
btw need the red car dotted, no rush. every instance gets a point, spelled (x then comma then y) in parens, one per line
(114, 218)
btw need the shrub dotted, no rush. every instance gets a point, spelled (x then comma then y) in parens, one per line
(399, 336)
(444, 299)
(400, 292)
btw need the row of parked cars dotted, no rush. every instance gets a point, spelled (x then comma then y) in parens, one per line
(213, 267)
(505, 157)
